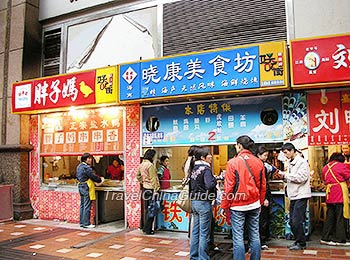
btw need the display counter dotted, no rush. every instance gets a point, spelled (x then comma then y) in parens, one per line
(109, 204)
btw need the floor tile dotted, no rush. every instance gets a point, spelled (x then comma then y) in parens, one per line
(38, 246)
(182, 253)
(61, 239)
(116, 246)
(310, 252)
(39, 228)
(20, 226)
(136, 239)
(94, 255)
(16, 233)
(83, 234)
(64, 250)
(165, 242)
(148, 250)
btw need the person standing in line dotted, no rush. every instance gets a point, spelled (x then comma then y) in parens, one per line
(190, 154)
(244, 193)
(335, 174)
(298, 192)
(164, 173)
(147, 176)
(84, 173)
(202, 193)
(262, 153)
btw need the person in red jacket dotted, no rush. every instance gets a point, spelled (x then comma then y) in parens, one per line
(164, 173)
(115, 171)
(244, 193)
(335, 174)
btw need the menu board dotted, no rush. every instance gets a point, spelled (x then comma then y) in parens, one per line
(97, 131)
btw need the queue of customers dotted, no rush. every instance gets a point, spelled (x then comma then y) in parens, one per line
(246, 197)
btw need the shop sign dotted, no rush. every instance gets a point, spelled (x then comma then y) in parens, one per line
(262, 67)
(98, 131)
(63, 91)
(329, 118)
(320, 61)
(212, 122)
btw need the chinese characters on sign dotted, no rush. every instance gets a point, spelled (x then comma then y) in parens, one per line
(82, 88)
(324, 60)
(221, 70)
(173, 218)
(220, 121)
(96, 130)
(329, 115)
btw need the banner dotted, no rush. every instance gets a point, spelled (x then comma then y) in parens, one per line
(329, 118)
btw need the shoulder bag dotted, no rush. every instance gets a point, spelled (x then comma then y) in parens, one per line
(184, 200)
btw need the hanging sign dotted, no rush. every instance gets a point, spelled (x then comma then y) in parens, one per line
(98, 131)
(323, 61)
(329, 118)
(64, 91)
(245, 68)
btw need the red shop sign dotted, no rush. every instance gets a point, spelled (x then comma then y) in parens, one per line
(321, 61)
(329, 118)
(54, 92)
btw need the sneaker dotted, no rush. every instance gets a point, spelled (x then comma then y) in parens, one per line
(329, 243)
(89, 226)
(297, 247)
(264, 247)
(294, 243)
(342, 243)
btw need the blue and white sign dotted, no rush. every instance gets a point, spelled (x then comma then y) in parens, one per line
(213, 122)
(198, 73)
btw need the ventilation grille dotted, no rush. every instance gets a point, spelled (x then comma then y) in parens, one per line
(52, 50)
(195, 25)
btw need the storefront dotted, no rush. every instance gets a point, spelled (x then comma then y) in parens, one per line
(72, 114)
(321, 68)
(189, 108)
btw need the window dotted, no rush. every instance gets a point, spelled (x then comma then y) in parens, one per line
(51, 52)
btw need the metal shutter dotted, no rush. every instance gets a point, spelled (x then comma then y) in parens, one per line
(195, 25)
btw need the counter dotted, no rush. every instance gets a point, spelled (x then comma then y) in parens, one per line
(174, 218)
(109, 204)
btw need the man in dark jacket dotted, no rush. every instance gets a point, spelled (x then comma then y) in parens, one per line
(84, 173)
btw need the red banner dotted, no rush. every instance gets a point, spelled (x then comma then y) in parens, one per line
(323, 60)
(76, 89)
(329, 118)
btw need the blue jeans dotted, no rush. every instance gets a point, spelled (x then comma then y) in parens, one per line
(251, 217)
(200, 236)
(85, 204)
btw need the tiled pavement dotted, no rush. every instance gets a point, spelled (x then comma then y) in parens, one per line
(21, 240)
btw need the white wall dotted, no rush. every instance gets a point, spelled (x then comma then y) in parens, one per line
(321, 17)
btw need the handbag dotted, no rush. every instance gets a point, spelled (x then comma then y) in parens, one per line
(184, 199)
